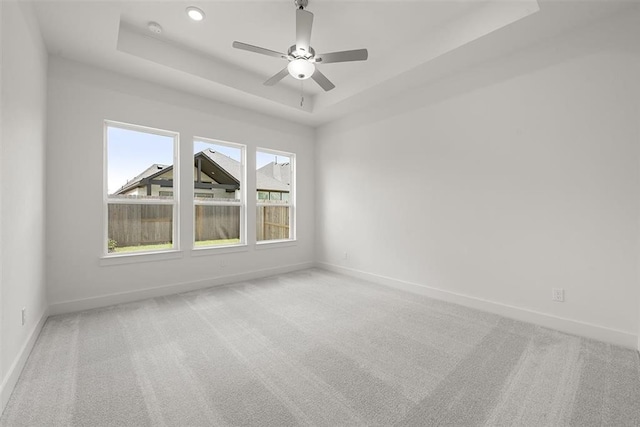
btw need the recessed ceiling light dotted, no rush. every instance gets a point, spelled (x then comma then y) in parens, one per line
(154, 27)
(195, 13)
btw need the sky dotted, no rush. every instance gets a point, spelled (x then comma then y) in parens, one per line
(130, 152)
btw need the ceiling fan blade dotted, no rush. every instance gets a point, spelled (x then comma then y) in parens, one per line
(275, 79)
(304, 23)
(322, 80)
(261, 50)
(344, 56)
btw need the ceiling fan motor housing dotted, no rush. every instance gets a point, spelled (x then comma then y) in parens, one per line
(294, 53)
(301, 4)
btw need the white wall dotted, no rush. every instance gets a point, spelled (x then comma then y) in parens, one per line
(22, 188)
(1, 169)
(80, 99)
(499, 184)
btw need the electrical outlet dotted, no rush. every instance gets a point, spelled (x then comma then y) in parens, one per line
(24, 315)
(557, 294)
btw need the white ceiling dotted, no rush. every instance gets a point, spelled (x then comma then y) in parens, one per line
(404, 39)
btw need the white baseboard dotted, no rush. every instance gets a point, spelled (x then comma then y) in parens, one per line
(140, 294)
(14, 371)
(588, 330)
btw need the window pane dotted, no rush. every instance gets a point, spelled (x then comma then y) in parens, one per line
(140, 164)
(272, 223)
(134, 228)
(217, 171)
(273, 172)
(274, 183)
(217, 225)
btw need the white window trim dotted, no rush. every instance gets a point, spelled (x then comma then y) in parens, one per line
(137, 257)
(281, 243)
(205, 250)
(140, 255)
(291, 202)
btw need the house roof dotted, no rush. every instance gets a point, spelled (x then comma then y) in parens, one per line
(151, 172)
(263, 180)
(266, 183)
(219, 167)
(278, 171)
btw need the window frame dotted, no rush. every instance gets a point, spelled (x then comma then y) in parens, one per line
(243, 196)
(291, 203)
(174, 202)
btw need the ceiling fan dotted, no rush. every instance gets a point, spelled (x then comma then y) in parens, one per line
(301, 56)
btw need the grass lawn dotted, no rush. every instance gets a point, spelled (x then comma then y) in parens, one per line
(217, 242)
(145, 248)
(162, 246)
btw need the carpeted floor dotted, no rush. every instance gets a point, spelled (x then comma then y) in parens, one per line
(316, 348)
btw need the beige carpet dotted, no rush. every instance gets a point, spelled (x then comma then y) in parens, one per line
(316, 348)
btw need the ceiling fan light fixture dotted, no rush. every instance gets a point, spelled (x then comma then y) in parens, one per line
(195, 13)
(301, 69)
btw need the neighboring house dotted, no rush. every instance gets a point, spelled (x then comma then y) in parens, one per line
(215, 175)
(280, 172)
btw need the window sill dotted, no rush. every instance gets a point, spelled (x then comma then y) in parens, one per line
(132, 258)
(214, 250)
(268, 244)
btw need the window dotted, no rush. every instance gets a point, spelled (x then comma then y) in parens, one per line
(275, 185)
(219, 193)
(140, 189)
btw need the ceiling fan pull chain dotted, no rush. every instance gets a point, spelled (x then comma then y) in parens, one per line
(301, 93)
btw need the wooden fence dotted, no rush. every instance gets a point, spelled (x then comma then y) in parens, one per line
(134, 225)
(217, 222)
(272, 223)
